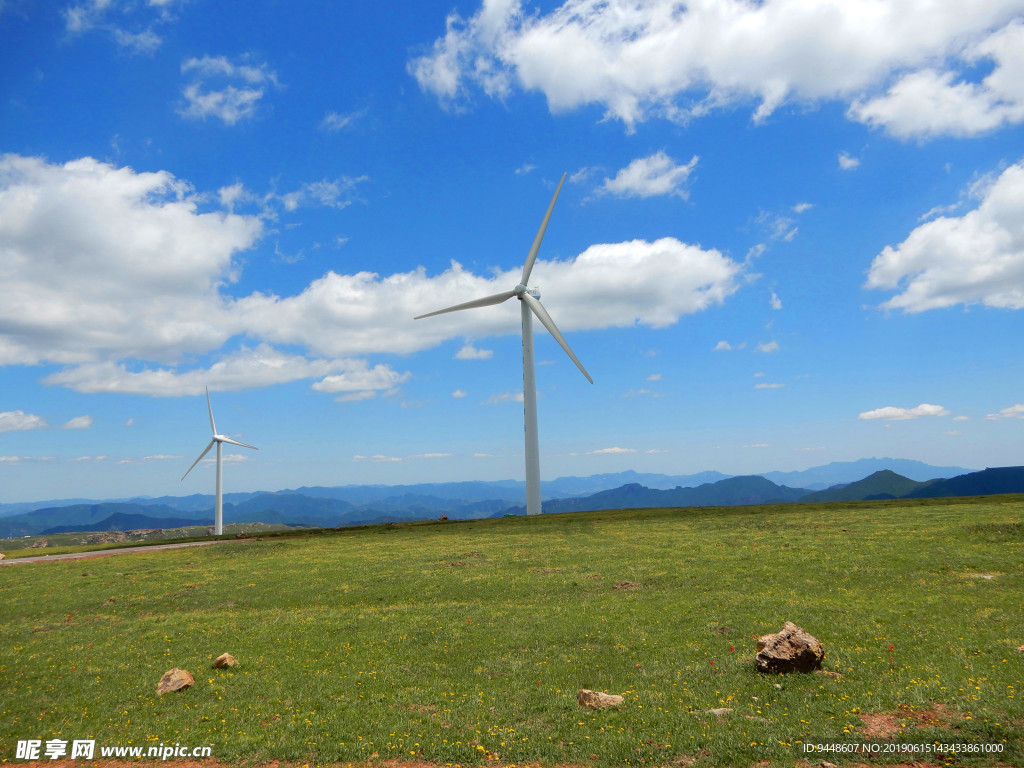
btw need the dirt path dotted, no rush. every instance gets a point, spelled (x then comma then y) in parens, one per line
(121, 551)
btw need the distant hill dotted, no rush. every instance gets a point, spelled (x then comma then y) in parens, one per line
(120, 521)
(733, 491)
(984, 483)
(827, 475)
(884, 484)
(80, 517)
(356, 505)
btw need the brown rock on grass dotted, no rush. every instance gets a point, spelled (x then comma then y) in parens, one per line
(791, 650)
(224, 660)
(174, 680)
(597, 700)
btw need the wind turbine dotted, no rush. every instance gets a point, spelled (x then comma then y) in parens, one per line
(218, 518)
(529, 306)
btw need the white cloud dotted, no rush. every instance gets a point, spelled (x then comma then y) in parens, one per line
(17, 421)
(361, 378)
(108, 16)
(120, 276)
(654, 377)
(802, 207)
(661, 58)
(768, 347)
(101, 261)
(229, 103)
(336, 121)
(1013, 412)
(458, 394)
(91, 458)
(469, 352)
(891, 413)
(776, 302)
(971, 259)
(608, 285)
(961, 418)
(612, 450)
(525, 168)
(759, 375)
(79, 422)
(650, 176)
(129, 422)
(430, 456)
(245, 369)
(936, 102)
(765, 385)
(723, 346)
(847, 162)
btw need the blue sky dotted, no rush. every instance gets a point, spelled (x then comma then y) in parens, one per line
(791, 233)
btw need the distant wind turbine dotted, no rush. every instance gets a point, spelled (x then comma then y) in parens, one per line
(529, 306)
(218, 525)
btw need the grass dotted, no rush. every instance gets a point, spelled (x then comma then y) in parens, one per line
(466, 643)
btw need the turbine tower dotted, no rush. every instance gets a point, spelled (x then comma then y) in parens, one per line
(218, 517)
(529, 306)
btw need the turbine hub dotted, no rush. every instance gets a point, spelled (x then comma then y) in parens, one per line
(520, 289)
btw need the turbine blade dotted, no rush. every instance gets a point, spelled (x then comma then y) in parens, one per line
(532, 257)
(210, 407)
(545, 318)
(205, 451)
(235, 442)
(486, 301)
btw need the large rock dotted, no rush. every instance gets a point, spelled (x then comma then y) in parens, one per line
(791, 650)
(597, 700)
(174, 680)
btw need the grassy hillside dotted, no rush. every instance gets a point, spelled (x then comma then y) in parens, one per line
(465, 643)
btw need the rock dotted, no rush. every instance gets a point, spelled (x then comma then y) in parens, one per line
(720, 711)
(224, 660)
(174, 680)
(597, 700)
(442, 518)
(39, 543)
(2, 555)
(791, 650)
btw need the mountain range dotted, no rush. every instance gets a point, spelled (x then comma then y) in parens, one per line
(356, 505)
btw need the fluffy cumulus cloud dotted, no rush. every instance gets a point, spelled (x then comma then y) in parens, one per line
(123, 278)
(614, 284)
(892, 413)
(18, 421)
(650, 176)
(977, 258)
(224, 89)
(79, 422)
(102, 261)
(897, 65)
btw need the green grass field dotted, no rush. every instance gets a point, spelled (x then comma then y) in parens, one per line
(466, 643)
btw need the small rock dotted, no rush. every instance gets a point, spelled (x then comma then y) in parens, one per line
(174, 680)
(224, 660)
(720, 711)
(791, 650)
(2, 555)
(597, 700)
(442, 518)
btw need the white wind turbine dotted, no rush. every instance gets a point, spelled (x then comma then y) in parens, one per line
(218, 525)
(529, 306)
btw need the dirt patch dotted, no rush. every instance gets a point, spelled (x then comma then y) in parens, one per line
(882, 725)
(626, 586)
(545, 570)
